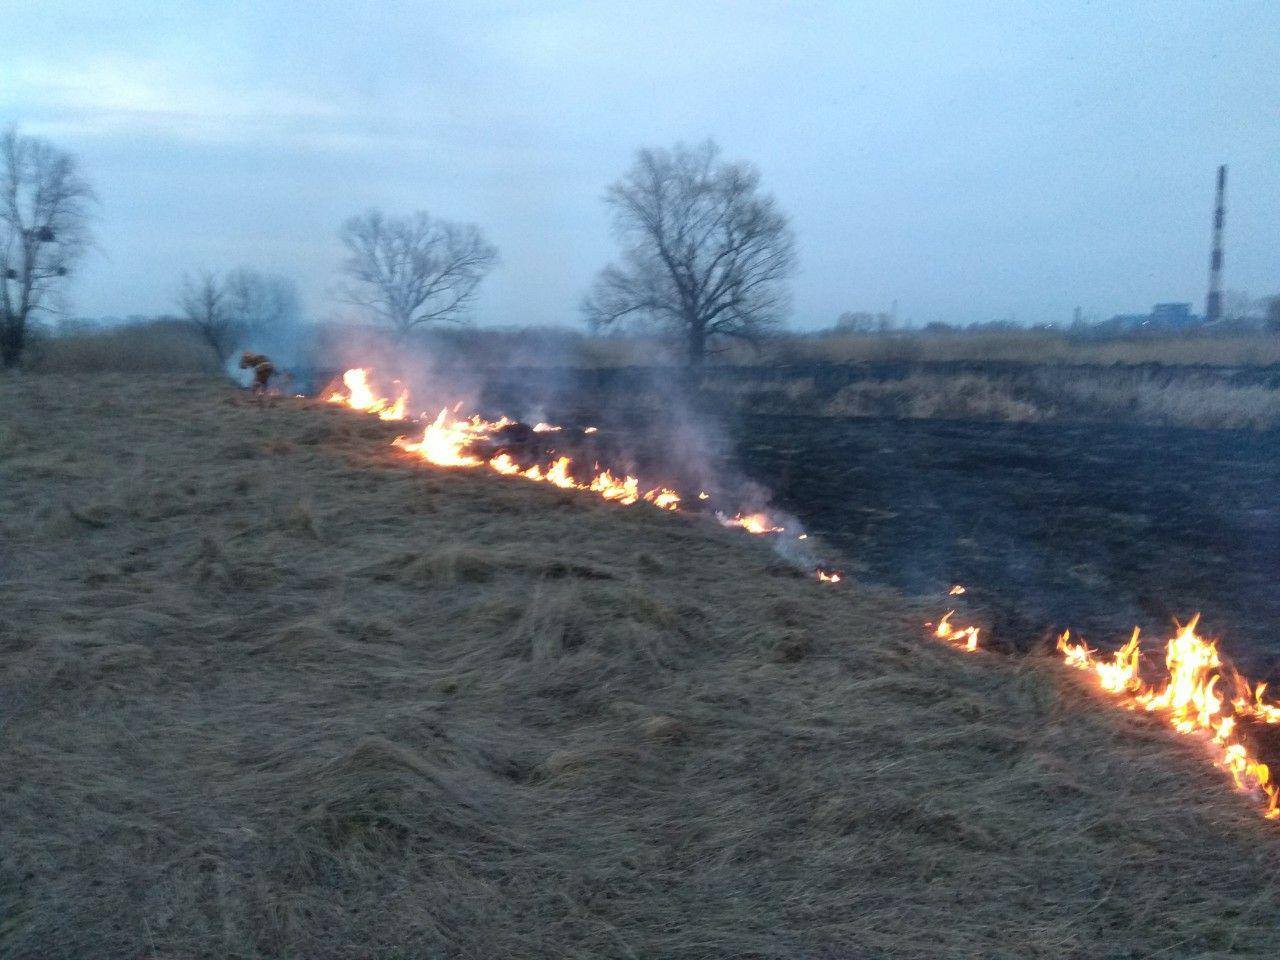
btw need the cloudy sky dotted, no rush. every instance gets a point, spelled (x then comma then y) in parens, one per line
(969, 160)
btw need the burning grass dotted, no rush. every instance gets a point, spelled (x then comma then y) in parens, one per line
(271, 687)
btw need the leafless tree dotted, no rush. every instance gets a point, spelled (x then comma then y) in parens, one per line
(44, 217)
(704, 251)
(413, 270)
(227, 310)
(203, 302)
(257, 302)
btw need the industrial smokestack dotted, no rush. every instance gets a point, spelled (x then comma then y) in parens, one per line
(1213, 302)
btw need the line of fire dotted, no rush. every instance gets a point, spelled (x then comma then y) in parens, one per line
(1198, 693)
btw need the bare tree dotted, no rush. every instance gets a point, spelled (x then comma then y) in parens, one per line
(203, 302)
(258, 302)
(704, 252)
(413, 270)
(44, 217)
(227, 310)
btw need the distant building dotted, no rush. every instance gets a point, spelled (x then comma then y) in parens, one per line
(1173, 315)
(1163, 316)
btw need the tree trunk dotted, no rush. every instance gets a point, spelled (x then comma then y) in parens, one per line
(696, 344)
(12, 339)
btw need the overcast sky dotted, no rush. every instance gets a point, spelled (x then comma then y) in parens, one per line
(969, 160)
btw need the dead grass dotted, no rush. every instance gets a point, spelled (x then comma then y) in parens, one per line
(571, 348)
(163, 346)
(1198, 399)
(1021, 346)
(269, 691)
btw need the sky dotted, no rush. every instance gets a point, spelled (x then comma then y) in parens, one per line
(970, 161)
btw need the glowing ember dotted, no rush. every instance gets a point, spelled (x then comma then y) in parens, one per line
(1189, 701)
(955, 591)
(832, 577)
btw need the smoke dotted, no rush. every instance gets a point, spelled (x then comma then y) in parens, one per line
(652, 422)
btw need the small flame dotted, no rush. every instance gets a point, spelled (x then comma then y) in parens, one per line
(546, 428)
(955, 591)
(826, 577)
(757, 523)
(360, 396)
(965, 638)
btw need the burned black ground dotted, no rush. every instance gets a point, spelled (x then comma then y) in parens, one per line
(1095, 527)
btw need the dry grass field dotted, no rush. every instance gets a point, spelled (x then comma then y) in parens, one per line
(1026, 346)
(268, 690)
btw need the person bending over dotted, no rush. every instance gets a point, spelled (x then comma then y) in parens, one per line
(262, 368)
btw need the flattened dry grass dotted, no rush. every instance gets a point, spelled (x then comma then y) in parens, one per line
(268, 690)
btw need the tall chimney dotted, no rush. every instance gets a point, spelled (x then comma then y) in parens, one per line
(1213, 302)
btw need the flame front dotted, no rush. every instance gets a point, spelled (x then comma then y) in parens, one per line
(1189, 701)
(447, 442)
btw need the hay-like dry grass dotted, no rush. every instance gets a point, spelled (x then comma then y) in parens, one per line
(268, 690)
(1020, 395)
(158, 346)
(1195, 348)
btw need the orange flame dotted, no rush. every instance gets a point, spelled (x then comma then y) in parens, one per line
(447, 442)
(360, 396)
(1189, 701)
(965, 638)
(832, 577)
(757, 523)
